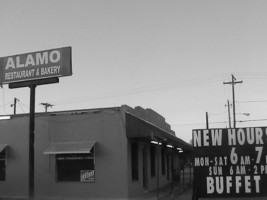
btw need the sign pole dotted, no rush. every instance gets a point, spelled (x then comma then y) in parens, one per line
(31, 141)
(32, 85)
(30, 70)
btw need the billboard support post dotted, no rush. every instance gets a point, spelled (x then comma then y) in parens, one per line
(32, 85)
(31, 141)
(30, 70)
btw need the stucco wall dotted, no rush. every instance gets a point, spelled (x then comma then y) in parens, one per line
(15, 134)
(105, 127)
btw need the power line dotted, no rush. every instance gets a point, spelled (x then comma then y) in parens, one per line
(254, 76)
(252, 120)
(260, 101)
(222, 122)
(196, 124)
(21, 107)
(153, 88)
(217, 114)
(24, 105)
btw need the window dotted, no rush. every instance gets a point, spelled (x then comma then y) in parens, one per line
(3, 165)
(153, 161)
(134, 159)
(163, 161)
(76, 167)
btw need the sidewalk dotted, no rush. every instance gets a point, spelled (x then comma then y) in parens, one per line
(180, 193)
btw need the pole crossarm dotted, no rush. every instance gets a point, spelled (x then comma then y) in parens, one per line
(46, 105)
(32, 84)
(233, 82)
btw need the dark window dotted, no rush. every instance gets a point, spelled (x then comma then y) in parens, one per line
(134, 159)
(163, 161)
(76, 167)
(153, 160)
(3, 165)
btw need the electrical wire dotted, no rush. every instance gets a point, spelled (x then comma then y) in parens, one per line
(260, 101)
(24, 105)
(223, 122)
(216, 114)
(19, 102)
(4, 105)
(252, 120)
(253, 76)
(157, 88)
(196, 124)
(152, 88)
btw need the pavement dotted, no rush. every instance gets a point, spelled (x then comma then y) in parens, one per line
(180, 192)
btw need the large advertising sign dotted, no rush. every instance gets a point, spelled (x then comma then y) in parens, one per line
(230, 162)
(36, 65)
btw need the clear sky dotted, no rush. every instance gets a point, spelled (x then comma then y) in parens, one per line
(172, 56)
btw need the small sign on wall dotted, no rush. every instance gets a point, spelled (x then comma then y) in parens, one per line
(87, 176)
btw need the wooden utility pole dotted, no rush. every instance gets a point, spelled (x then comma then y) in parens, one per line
(207, 120)
(229, 115)
(15, 105)
(233, 82)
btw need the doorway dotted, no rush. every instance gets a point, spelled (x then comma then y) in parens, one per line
(145, 181)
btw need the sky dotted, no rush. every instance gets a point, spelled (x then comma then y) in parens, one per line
(172, 56)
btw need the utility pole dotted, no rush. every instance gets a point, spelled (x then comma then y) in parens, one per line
(233, 90)
(15, 105)
(229, 115)
(46, 105)
(207, 120)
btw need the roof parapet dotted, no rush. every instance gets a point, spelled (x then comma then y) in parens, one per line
(150, 116)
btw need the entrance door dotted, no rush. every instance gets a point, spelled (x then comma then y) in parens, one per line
(170, 167)
(144, 168)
